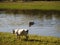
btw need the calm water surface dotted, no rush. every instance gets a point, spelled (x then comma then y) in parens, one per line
(42, 26)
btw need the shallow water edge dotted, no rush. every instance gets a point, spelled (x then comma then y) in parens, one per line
(31, 11)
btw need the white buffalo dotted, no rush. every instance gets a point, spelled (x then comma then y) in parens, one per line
(21, 32)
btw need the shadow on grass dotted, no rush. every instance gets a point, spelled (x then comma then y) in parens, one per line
(32, 40)
(35, 40)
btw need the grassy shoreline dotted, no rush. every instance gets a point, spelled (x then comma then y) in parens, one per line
(42, 5)
(10, 39)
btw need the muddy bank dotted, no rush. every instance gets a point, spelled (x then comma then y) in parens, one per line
(33, 11)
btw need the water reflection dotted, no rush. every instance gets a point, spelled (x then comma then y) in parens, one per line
(44, 25)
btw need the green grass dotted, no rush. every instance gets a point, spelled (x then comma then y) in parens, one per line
(42, 5)
(10, 39)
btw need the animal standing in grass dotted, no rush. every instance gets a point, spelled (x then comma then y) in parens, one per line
(21, 32)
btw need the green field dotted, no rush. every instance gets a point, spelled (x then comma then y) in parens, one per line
(40, 5)
(10, 39)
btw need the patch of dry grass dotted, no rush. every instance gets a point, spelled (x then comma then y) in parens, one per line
(10, 39)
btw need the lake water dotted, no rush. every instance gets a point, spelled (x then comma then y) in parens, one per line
(43, 26)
